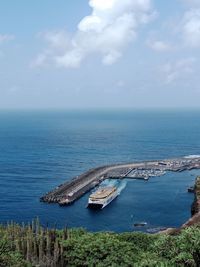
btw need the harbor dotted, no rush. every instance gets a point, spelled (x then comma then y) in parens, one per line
(69, 192)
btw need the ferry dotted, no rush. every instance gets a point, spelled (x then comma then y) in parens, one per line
(102, 197)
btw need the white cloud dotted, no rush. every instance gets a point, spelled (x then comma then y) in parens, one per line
(6, 37)
(182, 30)
(159, 46)
(106, 31)
(57, 39)
(173, 71)
(190, 27)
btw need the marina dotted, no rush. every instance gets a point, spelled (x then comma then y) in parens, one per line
(69, 192)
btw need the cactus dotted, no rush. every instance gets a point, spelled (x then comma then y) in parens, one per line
(38, 244)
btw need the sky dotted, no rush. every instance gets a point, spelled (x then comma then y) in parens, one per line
(101, 54)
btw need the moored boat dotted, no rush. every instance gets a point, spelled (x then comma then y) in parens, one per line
(191, 189)
(140, 224)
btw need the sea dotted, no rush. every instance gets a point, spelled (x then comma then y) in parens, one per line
(40, 150)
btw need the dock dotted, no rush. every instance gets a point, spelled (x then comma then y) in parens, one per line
(72, 190)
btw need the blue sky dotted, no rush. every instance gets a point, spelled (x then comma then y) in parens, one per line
(99, 54)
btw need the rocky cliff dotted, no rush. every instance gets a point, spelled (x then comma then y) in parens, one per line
(195, 212)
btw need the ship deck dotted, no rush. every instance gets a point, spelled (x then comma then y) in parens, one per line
(103, 193)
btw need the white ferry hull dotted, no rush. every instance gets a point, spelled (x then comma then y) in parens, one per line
(100, 204)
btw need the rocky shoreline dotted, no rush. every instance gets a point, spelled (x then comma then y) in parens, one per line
(195, 212)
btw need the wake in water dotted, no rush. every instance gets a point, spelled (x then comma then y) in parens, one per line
(192, 156)
(117, 183)
(121, 186)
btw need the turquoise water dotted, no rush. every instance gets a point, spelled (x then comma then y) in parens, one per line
(40, 150)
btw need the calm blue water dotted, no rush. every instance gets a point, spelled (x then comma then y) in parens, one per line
(40, 150)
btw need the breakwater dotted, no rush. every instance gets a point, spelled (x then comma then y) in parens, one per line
(70, 191)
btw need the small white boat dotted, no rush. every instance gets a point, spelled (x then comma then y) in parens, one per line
(140, 224)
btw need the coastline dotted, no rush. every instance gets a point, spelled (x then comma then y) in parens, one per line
(195, 212)
(70, 191)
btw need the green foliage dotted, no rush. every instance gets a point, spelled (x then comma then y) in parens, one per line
(100, 249)
(141, 240)
(150, 259)
(135, 249)
(181, 250)
(33, 245)
(9, 257)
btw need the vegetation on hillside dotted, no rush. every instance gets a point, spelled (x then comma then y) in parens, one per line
(33, 245)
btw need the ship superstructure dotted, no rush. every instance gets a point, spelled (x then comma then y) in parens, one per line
(102, 197)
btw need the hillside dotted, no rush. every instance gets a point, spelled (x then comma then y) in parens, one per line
(32, 245)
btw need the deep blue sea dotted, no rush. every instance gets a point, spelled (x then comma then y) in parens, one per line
(41, 149)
